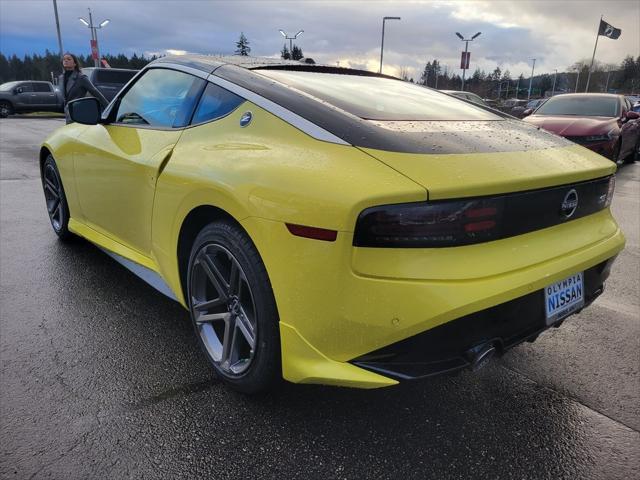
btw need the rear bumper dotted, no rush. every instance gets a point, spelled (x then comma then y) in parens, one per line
(338, 304)
(447, 347)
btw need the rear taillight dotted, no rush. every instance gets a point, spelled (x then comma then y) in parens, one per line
(431, 224)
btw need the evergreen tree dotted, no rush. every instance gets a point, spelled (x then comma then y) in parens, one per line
(296, 53)
(242, 46)
(284, 53)
(424, 77)
(544, 83)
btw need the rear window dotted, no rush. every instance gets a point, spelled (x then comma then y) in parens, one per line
(375, 98)
(583, 106)
(113, 76)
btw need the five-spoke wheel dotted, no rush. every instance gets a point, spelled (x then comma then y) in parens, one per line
(233, 309)
(55, 198)
(223, 309)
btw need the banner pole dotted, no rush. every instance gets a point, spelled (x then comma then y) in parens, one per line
(586, 89)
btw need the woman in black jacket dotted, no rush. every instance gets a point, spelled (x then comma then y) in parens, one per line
(75, 84)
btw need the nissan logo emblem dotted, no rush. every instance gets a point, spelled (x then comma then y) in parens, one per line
(569, 204)
(245, 119)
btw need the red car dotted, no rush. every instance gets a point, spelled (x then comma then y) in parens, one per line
(602, 122)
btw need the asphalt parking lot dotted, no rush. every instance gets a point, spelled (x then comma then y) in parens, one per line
(101, 377)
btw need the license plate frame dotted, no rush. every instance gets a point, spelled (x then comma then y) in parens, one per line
(563, 298)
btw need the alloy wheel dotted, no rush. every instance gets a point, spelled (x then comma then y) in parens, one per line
(53, 196)
(223, 309)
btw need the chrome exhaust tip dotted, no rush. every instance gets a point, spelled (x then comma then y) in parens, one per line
(479, 356)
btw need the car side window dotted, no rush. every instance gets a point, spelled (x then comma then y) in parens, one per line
(216, 102)
(161, 98)
(24, 88)
(41, 87)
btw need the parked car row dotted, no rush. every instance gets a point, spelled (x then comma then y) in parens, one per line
(39, 96)
(608, 124)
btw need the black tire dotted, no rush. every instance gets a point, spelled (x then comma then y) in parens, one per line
(55, 199)
(6, 109)
(229, 249)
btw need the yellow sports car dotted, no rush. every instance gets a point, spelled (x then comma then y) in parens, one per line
(335, 226)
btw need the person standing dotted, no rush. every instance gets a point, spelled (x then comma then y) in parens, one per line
(75, 84)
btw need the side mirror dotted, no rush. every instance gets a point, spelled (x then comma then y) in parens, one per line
(632, 115)
(85, 110)
(527, 112)
(19, 90)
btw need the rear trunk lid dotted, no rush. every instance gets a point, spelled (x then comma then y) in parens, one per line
(487, 158)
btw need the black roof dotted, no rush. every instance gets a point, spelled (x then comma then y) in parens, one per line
(210, 63)
(244, 72)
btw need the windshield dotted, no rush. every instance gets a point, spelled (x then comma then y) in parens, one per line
(5, 87)
(375, 98)
(583, 106)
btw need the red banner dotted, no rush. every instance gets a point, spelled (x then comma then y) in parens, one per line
(94, 49)
(464, 60)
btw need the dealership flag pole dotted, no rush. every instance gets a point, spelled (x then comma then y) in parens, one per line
(586, 89)
(606, 30)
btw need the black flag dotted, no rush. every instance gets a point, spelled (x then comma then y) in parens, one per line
(609, 30)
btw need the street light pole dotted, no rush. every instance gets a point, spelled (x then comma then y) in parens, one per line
(518, 87)
(464, 70)
(94, 35)
(531, 79)
(466, 50)
(291, 39)
(55, 10)
(577, 79)
(555, 74)
(384, 19)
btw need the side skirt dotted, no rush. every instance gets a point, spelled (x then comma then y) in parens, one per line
(140, 265)
(146, 274)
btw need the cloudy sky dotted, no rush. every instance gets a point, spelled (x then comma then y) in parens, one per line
(556, 33)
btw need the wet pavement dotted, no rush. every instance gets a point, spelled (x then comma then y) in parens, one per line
(101, 377)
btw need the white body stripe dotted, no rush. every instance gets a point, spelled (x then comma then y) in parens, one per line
(288, 116)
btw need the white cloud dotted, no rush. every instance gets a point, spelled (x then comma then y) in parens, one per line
(513, 32)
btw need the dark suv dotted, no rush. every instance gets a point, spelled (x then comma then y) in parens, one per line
(109, 80)
(27, 96)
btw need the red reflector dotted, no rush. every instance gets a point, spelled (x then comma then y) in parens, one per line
(479, 226)
(481, 212)
(312, 232)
